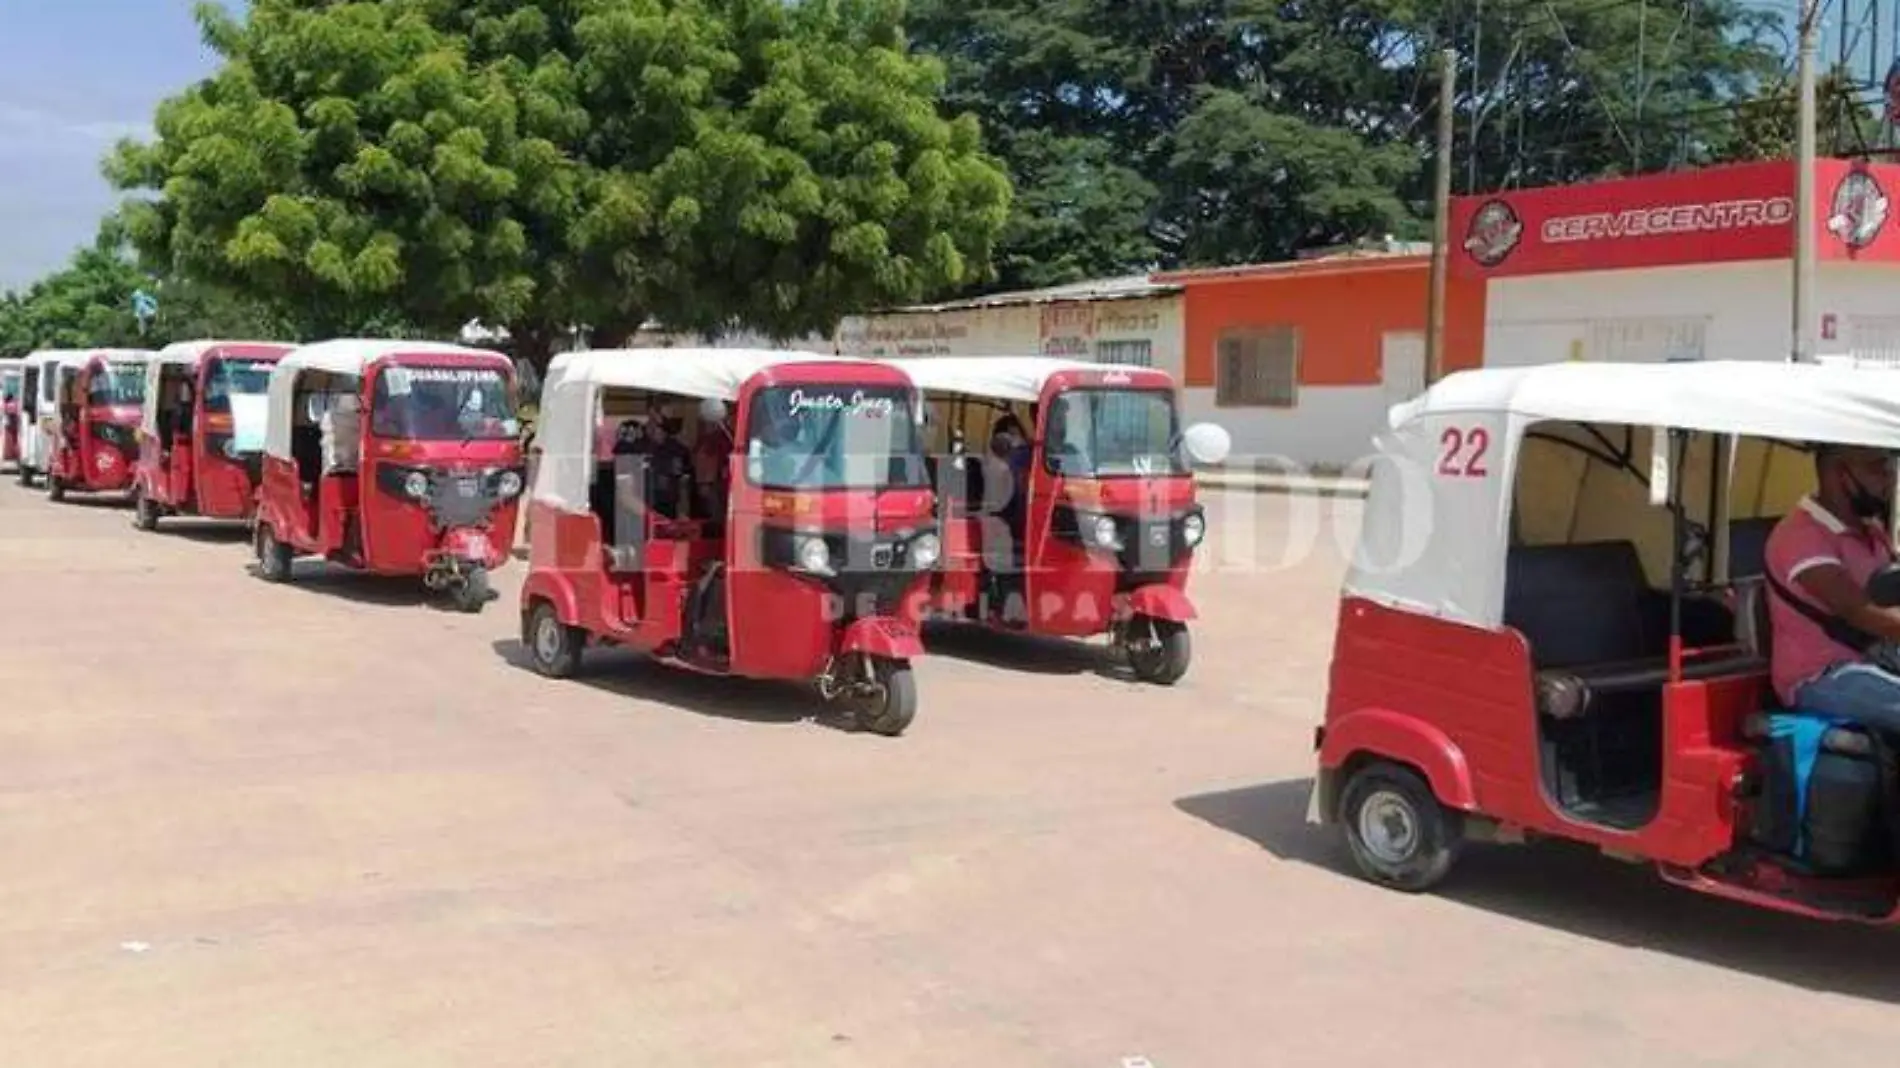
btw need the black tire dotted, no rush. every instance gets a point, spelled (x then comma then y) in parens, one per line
(474, 592)
(553, 647)
(25, 476)
(144, 512)
(1166, 662)
(55, 489)
(891, 711)
(273, 556)
(1416, 839)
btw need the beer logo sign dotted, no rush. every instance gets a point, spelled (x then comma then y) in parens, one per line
(1859, 210)
(1493, 234)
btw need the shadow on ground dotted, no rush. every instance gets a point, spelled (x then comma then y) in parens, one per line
(1574, 889)
(1028, 653)
(628, 674)
(205, 531)
(360, 587)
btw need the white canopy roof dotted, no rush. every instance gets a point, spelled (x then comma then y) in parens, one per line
(702, 373)
(1012, 378)
(1436, 525)
(352, 357)
(570, 401)
(1794, 402)
(192, 353)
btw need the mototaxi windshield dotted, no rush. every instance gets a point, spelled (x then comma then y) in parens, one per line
(1114, 433)
(425, 403)
(824, 437)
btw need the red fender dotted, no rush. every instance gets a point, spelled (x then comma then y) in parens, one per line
(1393, 736)
(468, 543)
(555, 589)
(882, 636)
(1161, 602)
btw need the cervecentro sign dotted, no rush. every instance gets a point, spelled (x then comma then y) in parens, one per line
(1671, 219)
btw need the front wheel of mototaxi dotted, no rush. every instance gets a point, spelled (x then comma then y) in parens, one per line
(884, 695)
(1159, 650)
(474, 591)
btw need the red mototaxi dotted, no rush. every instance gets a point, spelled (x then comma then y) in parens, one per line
(12, 382)
(816, 570)
(201, 430)
(1110, 522)
(1504, 669)
(434, 476)
(95, 420)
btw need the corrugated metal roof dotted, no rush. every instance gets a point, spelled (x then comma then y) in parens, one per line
(1128, 287)
(1367, 259)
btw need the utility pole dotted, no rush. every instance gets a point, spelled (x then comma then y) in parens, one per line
(1441, 219)
(1804, 252)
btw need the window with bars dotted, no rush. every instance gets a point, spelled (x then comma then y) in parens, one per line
(1258, 368)
(1126, 353)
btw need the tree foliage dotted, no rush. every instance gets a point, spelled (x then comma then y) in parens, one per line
(88, 303)
(710, 163)
(1219, 131)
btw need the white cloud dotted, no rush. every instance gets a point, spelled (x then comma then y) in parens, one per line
(37, 125)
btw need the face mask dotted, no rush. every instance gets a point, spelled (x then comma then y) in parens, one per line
(1866, 503)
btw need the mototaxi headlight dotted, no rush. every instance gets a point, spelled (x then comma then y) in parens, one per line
(925, 551)
(509, 484)
(1193, 529)
(416, 484)
(1102, 532)
(812, 554)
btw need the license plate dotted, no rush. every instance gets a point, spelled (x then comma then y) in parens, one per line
(478, 547)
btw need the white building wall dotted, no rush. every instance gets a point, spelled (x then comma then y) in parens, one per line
(1736, 311)
(1330, 429)
(1078, 329)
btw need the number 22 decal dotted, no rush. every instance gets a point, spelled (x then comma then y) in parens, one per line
(1463, 455)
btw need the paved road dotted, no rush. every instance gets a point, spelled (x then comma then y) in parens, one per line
(324, 825)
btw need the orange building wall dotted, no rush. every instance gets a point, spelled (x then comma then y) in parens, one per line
(1342, 314)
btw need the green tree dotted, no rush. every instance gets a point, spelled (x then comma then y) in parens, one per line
(709, 163)
(1218, 131)
(88, 303)
(1845, 125)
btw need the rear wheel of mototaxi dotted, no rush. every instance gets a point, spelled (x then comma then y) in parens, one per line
(1399, 835)
(554, 647)
(273, 556)
(55, 488)
(144, 512)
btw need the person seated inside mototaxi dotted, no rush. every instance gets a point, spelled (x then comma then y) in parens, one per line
(712, 460)
(667, 464)
(1006, 471)
(1823, 553)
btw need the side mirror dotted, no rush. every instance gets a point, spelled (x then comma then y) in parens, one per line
(1207, 444)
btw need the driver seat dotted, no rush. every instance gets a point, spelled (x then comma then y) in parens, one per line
(1752, 629)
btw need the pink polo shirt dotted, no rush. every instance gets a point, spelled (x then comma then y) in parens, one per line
(1809, 536)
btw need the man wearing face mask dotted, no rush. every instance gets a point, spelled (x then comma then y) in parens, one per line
(1822, 555)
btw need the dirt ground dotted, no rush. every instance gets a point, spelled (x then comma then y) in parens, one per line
(325, 824)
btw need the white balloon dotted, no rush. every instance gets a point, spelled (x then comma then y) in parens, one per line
(1207, 444)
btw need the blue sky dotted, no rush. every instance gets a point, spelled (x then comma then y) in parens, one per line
(75, 76)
